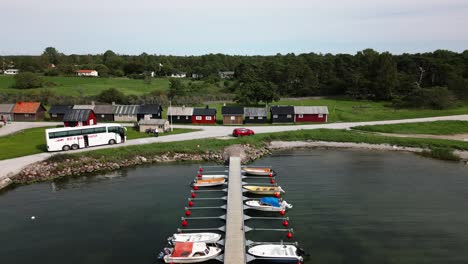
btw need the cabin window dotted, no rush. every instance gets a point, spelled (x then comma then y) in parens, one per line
(251, 117)
(178, 117)
(320, 115)
(198, 118)
(186, 117)
(208, 118)
(275, 116)
(233, 118)
(54, 115)
(260, 117)
(26, 115)
(288, 116)
(301, 116)
(102, 116)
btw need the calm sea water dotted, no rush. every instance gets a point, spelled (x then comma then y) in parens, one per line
(349, 207)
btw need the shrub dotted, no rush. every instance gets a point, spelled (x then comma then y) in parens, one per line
(27, 80)
(441, 153)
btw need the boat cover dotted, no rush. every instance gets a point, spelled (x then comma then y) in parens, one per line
(182, 249)
(270, 201)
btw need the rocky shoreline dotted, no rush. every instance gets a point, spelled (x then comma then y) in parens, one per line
(53, 169)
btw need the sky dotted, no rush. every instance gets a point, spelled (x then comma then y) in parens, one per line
(239, 27)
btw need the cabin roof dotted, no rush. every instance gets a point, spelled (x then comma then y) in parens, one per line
(26, 107)
(282, 110)
(180, 111)
(104, 109)
(204, 112)
(60, 109)
(152, 122)
(125, 109)
(255, 111)
(150, 109)
(232, 110)
(307, 110)
(77, 115)
(6, 108)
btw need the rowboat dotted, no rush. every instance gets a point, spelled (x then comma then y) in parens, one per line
(263, 189)
(195, 237)
(209, 182)
(268, 204)
(261, 171)
(189, 252)
(277, 253)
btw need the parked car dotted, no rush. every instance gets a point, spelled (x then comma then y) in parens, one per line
(239, 132)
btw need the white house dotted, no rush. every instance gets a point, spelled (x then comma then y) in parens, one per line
(11, 71)
(179, 75)
(92, 73)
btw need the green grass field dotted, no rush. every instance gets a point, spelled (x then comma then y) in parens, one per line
(75, 86)
(32, 141)
(431, 128)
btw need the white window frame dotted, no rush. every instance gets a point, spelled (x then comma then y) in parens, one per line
(260, 117)
(233, 118)
(54, 115)
(275, 116)
(198, 118)
(102, 116)
(288, 116)
(251, 117)
(301, 116)
(208, 118)
(320, 115)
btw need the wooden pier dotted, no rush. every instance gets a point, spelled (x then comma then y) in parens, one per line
(234, 250)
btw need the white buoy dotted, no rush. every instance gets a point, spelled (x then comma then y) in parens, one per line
(33, 217)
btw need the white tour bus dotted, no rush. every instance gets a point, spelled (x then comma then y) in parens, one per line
(66, 138)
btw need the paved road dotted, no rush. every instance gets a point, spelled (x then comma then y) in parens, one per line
(11, 167)
(18, 126)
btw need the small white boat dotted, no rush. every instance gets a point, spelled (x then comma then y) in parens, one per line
(189, 252)
(195, 237)
(256, 189)
(209, 182)
(268, 204)
(260, 171)
(277, 253)
(211, 176)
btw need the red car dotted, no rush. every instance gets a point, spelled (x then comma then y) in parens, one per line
(239, 132)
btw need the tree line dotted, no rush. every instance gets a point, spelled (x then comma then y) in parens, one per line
(434, 79)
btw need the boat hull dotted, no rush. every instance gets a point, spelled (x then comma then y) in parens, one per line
(255, 205)
(209, 182)
(263, 190)
(276, 253)
(196, 237)
(257, 171)
(214, 252)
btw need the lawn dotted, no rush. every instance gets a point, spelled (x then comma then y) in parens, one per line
(32, 141)
(83, 86)
(432, 128)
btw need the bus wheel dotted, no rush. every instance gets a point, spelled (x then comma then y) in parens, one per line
(112, 142)
(66, 148)
(74, 146)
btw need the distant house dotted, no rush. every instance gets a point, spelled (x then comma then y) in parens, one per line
(104, 113)
(57, 112)
(149, 111)
(6, 111)
(87, 73)
(126, 113)
(282, 114)
(255, 115)
(28, 111)
(11, 72)
(197, 76)
(179, 75)
(310, 114)
(79, 117)
(233, 115)
(204, 115)
(177, 114)
(161, 124)
(226, 74)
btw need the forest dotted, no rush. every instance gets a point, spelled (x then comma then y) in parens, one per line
(435, 80)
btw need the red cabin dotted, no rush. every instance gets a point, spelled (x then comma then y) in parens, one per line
(310, 114)
(204, 116)
(79, 117)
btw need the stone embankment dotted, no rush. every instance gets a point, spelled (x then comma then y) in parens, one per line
(56, 167)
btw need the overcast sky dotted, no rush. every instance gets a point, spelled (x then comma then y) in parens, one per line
(244, 27)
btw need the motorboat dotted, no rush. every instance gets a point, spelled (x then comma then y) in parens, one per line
(278, 253)
(208, 182)
(268, 204)
(195, 237)
(269, 190)
(189, 252)
(260, 171)
(211, 176)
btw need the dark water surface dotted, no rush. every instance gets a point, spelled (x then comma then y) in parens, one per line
(349, 207)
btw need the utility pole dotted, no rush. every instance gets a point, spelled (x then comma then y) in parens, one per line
(170, 107)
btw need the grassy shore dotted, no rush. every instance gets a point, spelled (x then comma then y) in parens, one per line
(432, 128)
(32, 141)
(206, 145)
